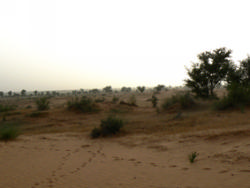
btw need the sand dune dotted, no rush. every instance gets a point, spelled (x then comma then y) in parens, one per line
(74, 160)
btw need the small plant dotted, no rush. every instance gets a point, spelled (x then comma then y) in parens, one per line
(85, 104)
(42, 103)
(109, 126)
(193, 156)
(8, 132)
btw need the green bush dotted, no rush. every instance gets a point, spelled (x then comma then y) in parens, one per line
(109, 126)
(238, 96)
(42, 103)
(8, 132)
(184, 99)
(85, 104)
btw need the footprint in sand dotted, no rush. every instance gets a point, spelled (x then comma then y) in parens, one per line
(173, 166)
(185, 168)
(223, 171)
(244, 170)
(153, 164)
(206, 168)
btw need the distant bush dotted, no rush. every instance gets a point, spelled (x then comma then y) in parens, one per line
(37, 114)
(185, 100)
(154, 101)
(109, 126)
(85, 104)
(99, 100)
(115, 99)
(42, 103)
(8, 132)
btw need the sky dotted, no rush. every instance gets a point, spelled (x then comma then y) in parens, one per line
(73, 44)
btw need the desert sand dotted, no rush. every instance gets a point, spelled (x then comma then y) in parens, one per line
(65, 160)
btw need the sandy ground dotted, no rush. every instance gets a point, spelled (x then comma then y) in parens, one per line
(157, 161)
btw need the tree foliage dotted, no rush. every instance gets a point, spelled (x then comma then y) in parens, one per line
(209, 72)
(107, 89)
(141, 88)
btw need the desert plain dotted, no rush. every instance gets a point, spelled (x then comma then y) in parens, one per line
(55, 149)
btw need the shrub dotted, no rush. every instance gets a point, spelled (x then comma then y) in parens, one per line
(115, 99)
(96, 132)
(8, 132)
(6, 108)
(109, 126)
(192, 156)
(42, 103)
(37, 114)
(238, 96)
(85, 104)
(185, 100)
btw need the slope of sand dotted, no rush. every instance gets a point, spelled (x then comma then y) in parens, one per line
(159, 161)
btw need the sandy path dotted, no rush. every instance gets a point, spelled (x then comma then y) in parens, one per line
(69, 160)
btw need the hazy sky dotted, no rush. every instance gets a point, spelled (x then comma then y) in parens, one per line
(73, 44)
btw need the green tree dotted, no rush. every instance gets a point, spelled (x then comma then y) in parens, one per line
(10, 93)
(1, 93)
(159, 87)
(141, 88)
(23, 92)
(126, 89)
(107, 89)
(209, 72)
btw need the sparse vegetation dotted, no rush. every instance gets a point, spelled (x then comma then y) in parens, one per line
(192, 157)
(85, 104)
(109, 126)
(42, 103)
(185, 100)
(115, 99)
(6, 108)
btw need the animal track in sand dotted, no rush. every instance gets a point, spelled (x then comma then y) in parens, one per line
(58, 173)
(244, 170)
(206, 168)
(173, 166)
(223, 171)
